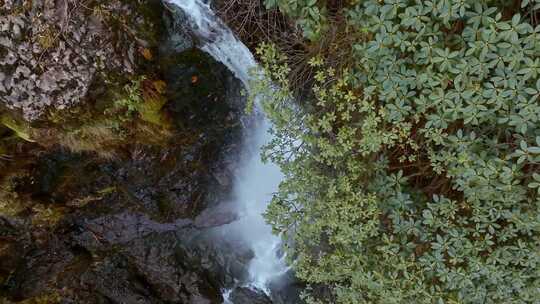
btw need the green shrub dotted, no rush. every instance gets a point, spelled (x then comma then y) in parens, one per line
(145, 97)
(412, 175)
(310, 16)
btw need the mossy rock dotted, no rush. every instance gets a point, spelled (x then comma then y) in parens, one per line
(21, 128)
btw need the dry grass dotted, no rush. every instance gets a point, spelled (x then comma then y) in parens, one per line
(105, 139)
(100, 137)
(254, 24)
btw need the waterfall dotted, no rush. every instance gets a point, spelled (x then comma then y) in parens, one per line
(218, 40)
(254, 186)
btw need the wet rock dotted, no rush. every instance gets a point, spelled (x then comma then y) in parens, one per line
(124, 227)
(178, 34)
(249, 295)
(40, 270)
(221, 254)
(222, 178)
(191, 76)
(216, 216)
(153, 269)
(111, 281)
(173, 273)
(13, 244)
(287, 289)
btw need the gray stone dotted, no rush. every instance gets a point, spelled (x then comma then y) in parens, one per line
(247, 295)
(59, 43)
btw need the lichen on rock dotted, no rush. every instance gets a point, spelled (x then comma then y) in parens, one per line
(51, 51)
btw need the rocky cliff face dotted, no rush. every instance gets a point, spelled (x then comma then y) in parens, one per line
(115, 144)
(53, 50)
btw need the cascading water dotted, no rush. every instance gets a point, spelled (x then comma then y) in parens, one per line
(257, 181)
(218, 40)
(253, 190)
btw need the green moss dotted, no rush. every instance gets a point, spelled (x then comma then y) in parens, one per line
(121, 109)
(51, 298)
(10, 202)
(14, 163)
(151, 109)
(47, 215)
(108, 190)
(20, 128)
(166, 208)
(128, 111)
(142, 98)
(151, 112)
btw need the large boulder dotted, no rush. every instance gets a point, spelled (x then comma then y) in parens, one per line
(249, 295)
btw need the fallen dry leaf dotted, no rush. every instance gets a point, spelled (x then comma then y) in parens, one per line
(147, 54)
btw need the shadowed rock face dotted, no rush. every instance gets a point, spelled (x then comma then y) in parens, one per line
(123, 247)
(245, 295)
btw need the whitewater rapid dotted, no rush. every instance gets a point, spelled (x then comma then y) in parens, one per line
(257, 181)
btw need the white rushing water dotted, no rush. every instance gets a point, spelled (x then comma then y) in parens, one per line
(219, 41)
(254, 186)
